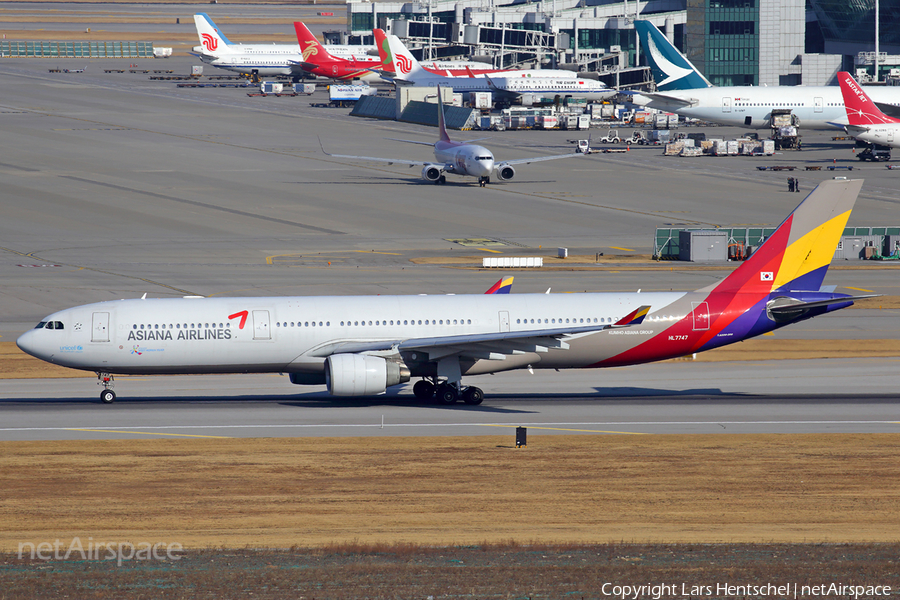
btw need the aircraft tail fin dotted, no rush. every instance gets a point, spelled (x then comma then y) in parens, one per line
(504, 286)
(797, 255)
(671, 69)
(635, 317)
(860, 108)
(441, 126)
(384, 50)
(211, 38)
(404, 64)
(309, 45)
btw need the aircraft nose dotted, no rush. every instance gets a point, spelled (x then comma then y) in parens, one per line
(28, 343)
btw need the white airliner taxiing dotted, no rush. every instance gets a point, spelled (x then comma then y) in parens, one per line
(264, 60)
(683, 90)
(362, 345)
(865, 121)
(459, 158)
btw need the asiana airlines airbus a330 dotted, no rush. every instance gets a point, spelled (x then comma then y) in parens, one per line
(362, 345)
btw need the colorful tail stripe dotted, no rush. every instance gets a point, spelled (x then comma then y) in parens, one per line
(635, 317)
(504, 286)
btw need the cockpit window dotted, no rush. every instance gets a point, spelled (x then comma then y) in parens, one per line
(40, 325)
(484, 158)
(50, 325)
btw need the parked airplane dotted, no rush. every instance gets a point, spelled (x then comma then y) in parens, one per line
(317, 60)
(459, 158)
(683, 90)
(447, 68)
(265, 60)
(866, 122)
(525, 86)
(361, 345)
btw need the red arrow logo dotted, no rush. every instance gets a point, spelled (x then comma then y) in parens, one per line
(243, 315)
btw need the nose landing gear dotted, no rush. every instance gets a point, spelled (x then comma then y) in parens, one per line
(483, 181)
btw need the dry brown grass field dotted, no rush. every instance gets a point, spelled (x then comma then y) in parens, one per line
(453, 490)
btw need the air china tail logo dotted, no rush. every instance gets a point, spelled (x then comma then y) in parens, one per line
(310, 50)
(243, 315)
(209, 42)
(404, 65)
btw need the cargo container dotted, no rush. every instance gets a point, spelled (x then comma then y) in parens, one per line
(481, 100)
(271, 87)
(304, 88)
(344, 93)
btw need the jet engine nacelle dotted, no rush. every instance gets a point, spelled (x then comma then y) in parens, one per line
(431, 173)
(505, 173)
(362, 375)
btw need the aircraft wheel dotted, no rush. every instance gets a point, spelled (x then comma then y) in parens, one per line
(442, 180)
(473, 396)
(107, 396)
(423, 390)
(447, 394)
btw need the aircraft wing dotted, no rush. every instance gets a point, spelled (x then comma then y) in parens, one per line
(494, 346)
(525, 161)
(667, 100)
(390, 161)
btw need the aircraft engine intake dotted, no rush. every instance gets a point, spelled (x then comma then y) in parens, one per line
(431, 174)
(362, 375)
(505, 173)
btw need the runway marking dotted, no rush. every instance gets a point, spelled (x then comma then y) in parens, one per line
(623, 249)
(218, 437)
(489, 250)
(859, 289)
(374, 252)
(563, 429)
(378, 425)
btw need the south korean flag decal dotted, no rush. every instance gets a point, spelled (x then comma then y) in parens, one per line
(766, 276)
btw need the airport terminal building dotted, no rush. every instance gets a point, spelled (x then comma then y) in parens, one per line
(733, 42)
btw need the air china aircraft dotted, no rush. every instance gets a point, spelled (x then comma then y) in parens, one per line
(265, 60)
(459, 158)
(866, 122)
(361, 345)
(447, 68)
(683, 90)
(523, 86)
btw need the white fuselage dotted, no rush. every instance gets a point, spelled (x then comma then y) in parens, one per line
(820, 107)
(517, 85)
(270, 60)
(296, 334)
(466, 159)
(886, 134)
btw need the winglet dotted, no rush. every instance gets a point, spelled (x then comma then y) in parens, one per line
(860, 108)
(504, 286)
(635, 317)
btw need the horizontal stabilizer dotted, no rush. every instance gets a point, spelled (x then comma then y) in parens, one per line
(795, 306)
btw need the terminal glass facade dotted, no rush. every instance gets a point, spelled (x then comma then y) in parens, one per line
(722, 40)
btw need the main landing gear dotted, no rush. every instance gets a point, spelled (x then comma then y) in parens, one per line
(483, 181)
(107, 396)
(442, 180)
(448, 393)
